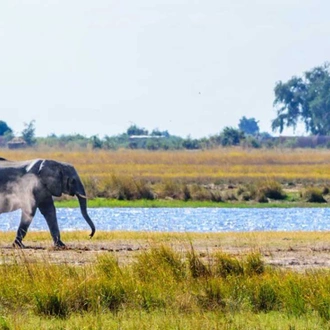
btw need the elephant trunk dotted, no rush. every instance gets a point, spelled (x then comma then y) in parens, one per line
(83, 207)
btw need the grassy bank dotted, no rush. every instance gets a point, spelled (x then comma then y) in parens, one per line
(103, 202)
(162, 288)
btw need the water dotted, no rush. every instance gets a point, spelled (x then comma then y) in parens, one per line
(183, 219)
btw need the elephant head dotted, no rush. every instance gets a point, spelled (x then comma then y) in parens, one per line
(62, 178)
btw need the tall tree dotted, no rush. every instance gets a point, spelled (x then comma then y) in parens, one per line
(248, 125)
(304, 99)
(4, 128)
(231, 136)
(28, 133)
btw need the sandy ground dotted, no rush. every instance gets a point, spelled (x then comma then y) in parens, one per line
(297, 251)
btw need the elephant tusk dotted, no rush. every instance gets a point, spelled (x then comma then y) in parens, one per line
(82, 196)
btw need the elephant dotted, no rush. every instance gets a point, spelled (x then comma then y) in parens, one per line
(31, 185)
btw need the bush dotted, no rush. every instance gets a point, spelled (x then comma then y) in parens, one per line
(313, 195)
(171, 188)
(267, 189)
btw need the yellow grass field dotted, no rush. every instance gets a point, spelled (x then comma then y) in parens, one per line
(220, 165)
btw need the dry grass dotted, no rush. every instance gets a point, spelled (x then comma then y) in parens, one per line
(197, 166)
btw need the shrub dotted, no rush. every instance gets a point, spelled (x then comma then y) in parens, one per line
(144, 190)
(124, 187)
(267, 189)
(325, 191)
(186, 193)
(216, 196)
(170, 188)
(313, 195)
(199, 193)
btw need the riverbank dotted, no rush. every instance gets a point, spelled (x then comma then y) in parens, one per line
(103, 202)
(298, 251)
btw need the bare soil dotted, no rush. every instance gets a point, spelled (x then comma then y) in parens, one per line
(297, 250)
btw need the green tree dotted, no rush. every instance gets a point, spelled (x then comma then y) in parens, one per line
(190, 143)
(28, 133)
(157, 132)
(4, 128)
(249, 126)
(304, 99)
(135, 130)
(96, 142)
(231, 136)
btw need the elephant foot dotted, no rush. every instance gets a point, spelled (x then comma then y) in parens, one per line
(59, 245)
(18, 244)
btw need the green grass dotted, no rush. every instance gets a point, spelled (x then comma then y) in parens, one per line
(162, 289)
(103, 202)
(132, 320)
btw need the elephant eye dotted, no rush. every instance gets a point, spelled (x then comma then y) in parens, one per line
(70, 184)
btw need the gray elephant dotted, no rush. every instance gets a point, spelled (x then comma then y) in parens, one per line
(31, 185)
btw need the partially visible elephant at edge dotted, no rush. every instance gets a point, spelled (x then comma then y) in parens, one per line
(31, 185)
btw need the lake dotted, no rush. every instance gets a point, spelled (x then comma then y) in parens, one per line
(183, 219)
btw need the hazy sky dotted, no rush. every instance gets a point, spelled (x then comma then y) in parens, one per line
(189, 67)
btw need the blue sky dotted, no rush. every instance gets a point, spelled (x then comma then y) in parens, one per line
(189, 67)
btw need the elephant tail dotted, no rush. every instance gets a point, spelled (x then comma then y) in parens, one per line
(83, 207)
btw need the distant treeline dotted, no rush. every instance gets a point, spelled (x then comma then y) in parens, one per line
(156, 140)
(171, 142)
(140, 138)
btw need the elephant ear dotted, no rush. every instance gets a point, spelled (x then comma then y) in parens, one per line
(51, 177)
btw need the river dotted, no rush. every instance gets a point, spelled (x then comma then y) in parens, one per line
(183, 219)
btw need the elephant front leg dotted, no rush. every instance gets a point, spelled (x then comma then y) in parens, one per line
(48, 210)
(26, 220)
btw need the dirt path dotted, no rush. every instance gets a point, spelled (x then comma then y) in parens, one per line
(298, 251)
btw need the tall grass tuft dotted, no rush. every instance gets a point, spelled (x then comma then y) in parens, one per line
(51, 304)
(268, 189)
(254, 264)
(196, 266)
(225, 265)
(265, 296)
(160, 264)
(213, 295)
